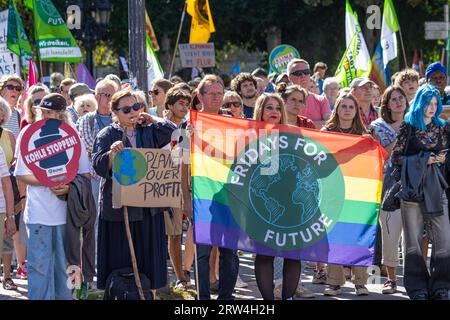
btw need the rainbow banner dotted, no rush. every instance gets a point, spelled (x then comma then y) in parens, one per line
(285, 191)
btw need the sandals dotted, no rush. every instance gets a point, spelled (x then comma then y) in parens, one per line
(181, 284)
(8, 284)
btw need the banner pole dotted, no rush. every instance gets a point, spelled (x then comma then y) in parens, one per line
(403, 46)
(197, 287)
(178, 40)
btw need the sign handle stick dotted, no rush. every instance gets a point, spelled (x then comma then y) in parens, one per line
(178, 40)
(403, 46)
(197, 286)
(137, 278)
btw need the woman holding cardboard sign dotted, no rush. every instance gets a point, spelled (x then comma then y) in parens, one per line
(146, 224)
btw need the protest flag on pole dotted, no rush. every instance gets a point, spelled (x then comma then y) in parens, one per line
(54, 41)
(84, 76)
(389, 26)
(154, 70)
(379, 74)
(17, 40)
(202, 24)
(362, 60)
(151, 33)
(32, 79)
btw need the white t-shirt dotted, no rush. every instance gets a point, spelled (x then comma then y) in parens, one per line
(4, 172)
(43, 206)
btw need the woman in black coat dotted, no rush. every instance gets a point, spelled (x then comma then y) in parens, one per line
(146, 224)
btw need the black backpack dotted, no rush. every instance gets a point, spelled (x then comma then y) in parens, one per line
(120, 285)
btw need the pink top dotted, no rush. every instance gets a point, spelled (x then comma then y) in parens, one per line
(317, 107)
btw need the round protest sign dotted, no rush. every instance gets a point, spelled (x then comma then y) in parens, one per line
(280, 57)
(51, 149)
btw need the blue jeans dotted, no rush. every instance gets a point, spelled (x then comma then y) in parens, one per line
(228, 272)
(47, 278)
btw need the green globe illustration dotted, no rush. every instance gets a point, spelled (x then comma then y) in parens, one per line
(129, 167)
(301, 188)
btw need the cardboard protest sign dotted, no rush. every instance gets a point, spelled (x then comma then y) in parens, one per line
(197, 55)
(146, 178)
(280, 57)
(51, 149)
(9, 62)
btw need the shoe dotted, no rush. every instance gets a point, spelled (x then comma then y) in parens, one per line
(332, 290)
(8, 284)
(181, 284)
(214, 286)
(21, 272)
(361, 290)
(303, 292)
(441, 294)
(389, 287)
(310, 265)
(320, 277)
(240, 283)
(420, 296)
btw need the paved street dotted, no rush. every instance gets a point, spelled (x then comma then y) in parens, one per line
(252, 293)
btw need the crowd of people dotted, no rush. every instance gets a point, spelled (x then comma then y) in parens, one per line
(404, 119)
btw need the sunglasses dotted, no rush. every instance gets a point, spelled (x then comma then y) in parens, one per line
(37, 102)
(107, 95)
(12, 87)
(299, 73)
(155, 91)
(228, 105)
(126, 110)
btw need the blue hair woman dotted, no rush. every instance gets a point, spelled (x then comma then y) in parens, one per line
(420, 153)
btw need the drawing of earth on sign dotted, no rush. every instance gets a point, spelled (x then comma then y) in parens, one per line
(129, 167)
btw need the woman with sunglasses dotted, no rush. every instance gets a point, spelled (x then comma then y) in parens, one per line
(345, 118)
(270, 108)
(11, 87)
(35, 94)
(146, 224)
(232, 103)
(159, 93)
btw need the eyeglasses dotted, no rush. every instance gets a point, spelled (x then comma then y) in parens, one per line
(299, 73)
(154, 91)
(37, 102)
(228, 105)
(399, 99)
(106, 95)
(126, 110)
(12, 87)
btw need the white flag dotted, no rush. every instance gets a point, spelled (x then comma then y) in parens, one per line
(154, 70)
(389, 26)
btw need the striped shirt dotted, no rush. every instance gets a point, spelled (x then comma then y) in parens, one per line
(13, 124)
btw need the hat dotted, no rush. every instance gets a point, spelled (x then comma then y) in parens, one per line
(435, 66)
(359, 82)
(280, 77)
(78, 89)
(53, 101)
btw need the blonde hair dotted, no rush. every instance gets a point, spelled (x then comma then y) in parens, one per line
(106, 83)
(10, 77)
(261, 103)
(141, 97)
(85, 99)
(6, 110)
(30, 117)
(333, 124)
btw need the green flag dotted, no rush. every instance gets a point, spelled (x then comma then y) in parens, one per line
(347, 70)
(28, 4)
(154, 70)
(54, 41)
(17, 39)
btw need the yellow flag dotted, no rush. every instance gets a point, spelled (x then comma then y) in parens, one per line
(202, 23)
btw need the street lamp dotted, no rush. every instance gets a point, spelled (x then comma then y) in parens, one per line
(95, 16)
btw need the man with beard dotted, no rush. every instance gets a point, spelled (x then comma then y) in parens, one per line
(246, 86)
(317, 107)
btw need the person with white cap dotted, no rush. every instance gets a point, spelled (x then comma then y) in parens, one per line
(363, 90)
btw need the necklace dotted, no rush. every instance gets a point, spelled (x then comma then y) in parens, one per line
(345, 130)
